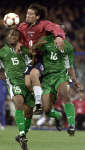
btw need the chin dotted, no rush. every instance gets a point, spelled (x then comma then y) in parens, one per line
(28, 21)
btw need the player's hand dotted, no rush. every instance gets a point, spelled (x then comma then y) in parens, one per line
(59, 42)
(79, 89)
(39, 43)
(81, 95)
(78, 86)
(18, 47)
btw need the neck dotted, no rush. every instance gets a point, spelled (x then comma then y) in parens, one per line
(32, 24)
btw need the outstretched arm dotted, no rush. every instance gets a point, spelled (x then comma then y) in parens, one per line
(57, 32)
(77, 85)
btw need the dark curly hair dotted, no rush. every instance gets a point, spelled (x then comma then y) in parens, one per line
(39, 10)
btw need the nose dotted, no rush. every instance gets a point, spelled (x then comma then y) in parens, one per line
(28, 15)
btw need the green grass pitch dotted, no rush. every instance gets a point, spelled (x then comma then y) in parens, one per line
(43, 140)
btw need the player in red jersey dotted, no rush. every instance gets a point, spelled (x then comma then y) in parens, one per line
(31, 31)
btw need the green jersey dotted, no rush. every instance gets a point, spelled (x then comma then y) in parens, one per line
(55, 61)
(14, 64)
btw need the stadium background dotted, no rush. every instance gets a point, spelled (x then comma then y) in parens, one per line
(71, 16)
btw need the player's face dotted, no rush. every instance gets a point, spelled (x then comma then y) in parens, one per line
(31, 16)
(13, 37)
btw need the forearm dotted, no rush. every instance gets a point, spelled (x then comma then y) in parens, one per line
(55, 29)
(76, 84)
(19, 44)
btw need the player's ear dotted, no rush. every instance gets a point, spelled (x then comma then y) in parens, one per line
(38, 17)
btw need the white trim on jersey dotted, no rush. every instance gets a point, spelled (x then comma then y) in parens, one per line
(67, 64)
(10, 88)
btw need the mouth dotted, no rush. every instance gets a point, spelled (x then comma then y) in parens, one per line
(28, 19)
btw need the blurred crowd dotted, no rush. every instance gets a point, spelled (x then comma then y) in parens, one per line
(72, 20)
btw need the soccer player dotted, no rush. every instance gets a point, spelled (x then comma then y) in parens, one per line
(14, 65)
(58, 70)
(31, 31)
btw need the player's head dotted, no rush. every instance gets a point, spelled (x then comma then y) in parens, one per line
(13, 36)
(35, 12)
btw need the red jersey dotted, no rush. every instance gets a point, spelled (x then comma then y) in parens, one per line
(30, 34)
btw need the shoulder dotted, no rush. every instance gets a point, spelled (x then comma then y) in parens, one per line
(49, 23)
(44, 21)
(4, 47)
(22, 26)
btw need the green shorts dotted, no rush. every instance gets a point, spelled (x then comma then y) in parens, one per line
(20, 89)
(51, 82)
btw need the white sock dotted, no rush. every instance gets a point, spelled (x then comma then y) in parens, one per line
(41, 121)
(37, 94)
(22, 132)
